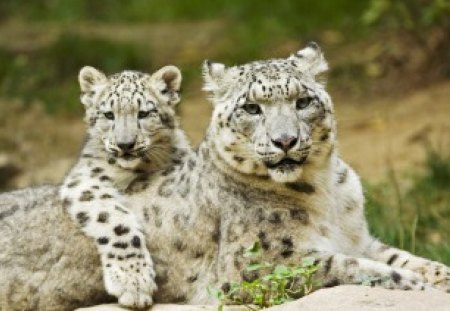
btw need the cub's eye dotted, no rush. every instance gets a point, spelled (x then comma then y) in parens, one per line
(252, 108)
(109, 115)
(303, 102)
(143, 114)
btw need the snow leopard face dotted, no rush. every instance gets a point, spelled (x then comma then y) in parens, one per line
(272, 117)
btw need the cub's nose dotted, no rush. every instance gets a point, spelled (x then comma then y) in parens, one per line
(285, 142)
(126, 147)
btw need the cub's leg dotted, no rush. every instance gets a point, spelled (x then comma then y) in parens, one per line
(128, 268)
(336, 269)
(434, 273)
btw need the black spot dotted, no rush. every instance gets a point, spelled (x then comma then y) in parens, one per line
(198, 254)
(396, 277)
(274, 218)
(216, 233)
(164, 189)
(120, 209)
(301, 187)
(106, 196)
(162, 278)
(136, 241)
(225, 287)
(249, 276)
(179, 245)
(111, 256)
(105, 178)
(97, 170)
(328, 265)
(132, 255)
(103, 240)
(238, 159)
(405, 263)
(103, 217)
(192, 278)
(342, 176)
(82, 218)
(95, 187)
(112, 161)
(86, 196)
(65, 203)
(73, 184)
(287, 247)
(392, 259)
(121, 230)
(265, 244)
(324, 136)
(122, 245)
(191, 164)
(300, 215)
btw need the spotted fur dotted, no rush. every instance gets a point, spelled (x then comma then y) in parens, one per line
(132, 133)
(201, 213)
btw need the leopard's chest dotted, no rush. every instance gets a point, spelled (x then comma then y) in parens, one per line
(286, 229)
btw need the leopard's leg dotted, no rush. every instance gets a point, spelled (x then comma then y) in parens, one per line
(127, 265)
(434, 273)
(335, 269)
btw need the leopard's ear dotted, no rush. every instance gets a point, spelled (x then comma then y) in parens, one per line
(91, 80)
(310, 60)
(213, 74)
(167, 81)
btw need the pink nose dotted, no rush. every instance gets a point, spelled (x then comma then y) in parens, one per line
(285, 142)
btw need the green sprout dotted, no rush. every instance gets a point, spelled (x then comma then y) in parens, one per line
(276, 284)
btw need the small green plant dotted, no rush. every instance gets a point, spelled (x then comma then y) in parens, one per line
(276, 284)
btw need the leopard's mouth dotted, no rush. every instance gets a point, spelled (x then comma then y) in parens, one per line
(286, 163)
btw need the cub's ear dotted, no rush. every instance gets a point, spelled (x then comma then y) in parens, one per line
(89, 78)
(310, 59)
(167, 81)
(213, 74)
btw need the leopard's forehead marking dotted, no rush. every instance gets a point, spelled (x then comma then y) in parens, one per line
(127, 91)
(271, 80)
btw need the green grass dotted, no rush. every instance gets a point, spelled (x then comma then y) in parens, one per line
(415, 217)
(275, 284)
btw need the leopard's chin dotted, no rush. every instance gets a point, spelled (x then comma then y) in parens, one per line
(285, 174)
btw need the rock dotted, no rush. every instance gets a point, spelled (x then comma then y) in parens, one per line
(363, 298)
(345, 298)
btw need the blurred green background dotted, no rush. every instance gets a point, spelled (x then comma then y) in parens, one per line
(389, 77)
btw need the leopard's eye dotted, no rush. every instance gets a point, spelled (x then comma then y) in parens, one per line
(252, 108)
(143, 114)
(303, 102)
(109, 115)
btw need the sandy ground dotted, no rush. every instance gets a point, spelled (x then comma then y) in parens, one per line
(375, 136)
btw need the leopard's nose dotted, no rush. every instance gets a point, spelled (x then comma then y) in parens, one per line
(285, 142)
(126, 147)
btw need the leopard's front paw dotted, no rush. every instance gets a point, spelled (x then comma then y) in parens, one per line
(131, 279)
(404, 280)
(436, 274)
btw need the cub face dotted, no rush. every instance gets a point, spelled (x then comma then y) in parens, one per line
(272, 118)
(131, 113)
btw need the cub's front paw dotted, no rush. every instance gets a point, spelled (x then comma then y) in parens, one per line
(436, 274)
(131, 280)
